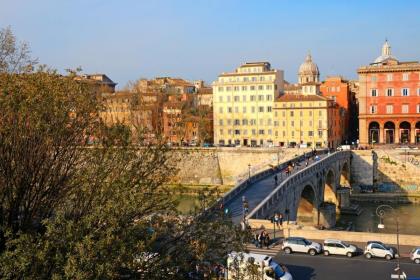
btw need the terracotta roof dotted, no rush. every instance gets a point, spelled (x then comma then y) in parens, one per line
(301, 97)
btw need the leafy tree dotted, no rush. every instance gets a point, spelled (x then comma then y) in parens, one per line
(70, 209)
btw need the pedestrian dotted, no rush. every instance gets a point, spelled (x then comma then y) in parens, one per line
(307, 163)
(276, 219)
(275, 179)
(246, 207)
(267, 240)
(281, 220)
(261, 239)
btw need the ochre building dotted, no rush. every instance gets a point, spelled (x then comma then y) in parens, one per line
(389, 101)
(243, 103)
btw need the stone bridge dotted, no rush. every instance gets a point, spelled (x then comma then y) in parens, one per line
(311, 195)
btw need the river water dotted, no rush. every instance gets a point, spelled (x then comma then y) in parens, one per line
(408, 214)
(408, 217)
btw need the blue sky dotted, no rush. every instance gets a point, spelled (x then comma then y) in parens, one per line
(197, 39)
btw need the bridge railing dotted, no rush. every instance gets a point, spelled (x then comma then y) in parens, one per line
(266, 203)
(242, 186)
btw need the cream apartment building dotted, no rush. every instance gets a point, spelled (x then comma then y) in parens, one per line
(243, 103)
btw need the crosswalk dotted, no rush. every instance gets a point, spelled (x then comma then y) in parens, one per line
(272, 251)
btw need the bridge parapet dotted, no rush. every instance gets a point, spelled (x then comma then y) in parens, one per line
(261, 210)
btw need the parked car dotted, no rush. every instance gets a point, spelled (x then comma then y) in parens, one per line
(379, 250)
(415, 255)
(338, 247)
(302, 245)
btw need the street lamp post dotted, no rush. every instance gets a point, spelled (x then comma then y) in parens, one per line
(380, 212)
(249, 171)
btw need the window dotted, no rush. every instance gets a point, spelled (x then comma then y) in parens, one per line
(389, 109)
(292, 123)
(236, 109)
(292, 114)
(319, 133)
(237, 132)
(269, 132)
(373, 109)
(284, 133)
(229, 109)
(254, 132)
(228, 88)
(244, 109)
(310, 113)
(418, 108)
(405, 76)
(261, 122)
(418, 91)
(283, 114)
(284, 123)
(220, 98)
(320, 124)
(237, 122)
(310, 123)
(268, 87)
(220, 122)
(405, 91)
(221, 132)
(244, 98)
(268, 97)
(244, 88)
(229, 131)
(373, 92)
(260, 97)
(220, 88)
(253, 122)
(269, 122)
(244, 122)
(276, 123)
(229, 121)
(260, 87)
(310, 133)
(228, 98)
(389, 77)
(269, 108)
(261, 132)
(236, 98)
(404, 108)
(235, 88)
(261, 109)
(320, 113)
(252, 87)
(252, 109)
(245, 80)
(389, 92)
(293, 134)
(301, 113)
(221, 110)
(252, 97)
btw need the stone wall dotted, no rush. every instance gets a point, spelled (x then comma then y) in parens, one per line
(225, 166)
(393, 173)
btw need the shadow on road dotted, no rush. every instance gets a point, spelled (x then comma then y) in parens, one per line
(301, 272)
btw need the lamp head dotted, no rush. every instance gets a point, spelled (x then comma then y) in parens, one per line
(381, 226)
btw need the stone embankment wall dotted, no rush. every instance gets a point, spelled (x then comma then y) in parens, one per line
(349, 236)
(393, 171)
(225, 166)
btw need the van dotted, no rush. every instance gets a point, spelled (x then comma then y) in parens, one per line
(249, 266)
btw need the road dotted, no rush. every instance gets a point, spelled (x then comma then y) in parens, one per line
(320, 267)
(258, 191)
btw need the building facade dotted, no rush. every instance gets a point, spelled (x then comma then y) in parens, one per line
(342, 93)
(243, 103)
(389, 101)
(307, 119)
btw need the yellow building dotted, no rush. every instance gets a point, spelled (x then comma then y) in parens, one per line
(307, 119)
(243, 103)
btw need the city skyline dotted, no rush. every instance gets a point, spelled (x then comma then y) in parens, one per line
(199, 39)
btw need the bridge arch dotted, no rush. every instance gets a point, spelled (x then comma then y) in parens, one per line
(330, 188)
(307, 206)
(345, 175)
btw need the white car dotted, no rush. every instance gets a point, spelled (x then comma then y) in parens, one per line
(415, 255)
(240, 263)
(379, 250)
(338, 247)
(302, 245)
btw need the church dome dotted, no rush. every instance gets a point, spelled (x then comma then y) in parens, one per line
(386, 53)
(308, 67)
